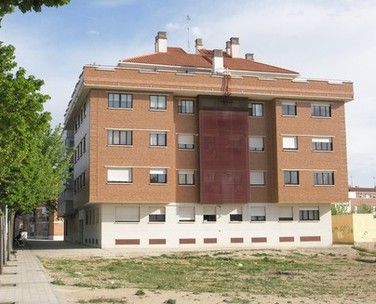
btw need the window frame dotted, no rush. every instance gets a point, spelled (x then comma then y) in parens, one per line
(315, 214)
(296, 139)
(256, 149)
(158, 134)
(317, 110)
(186, 146)
(182, 107)
(192, 172)
(252, 109)
(258, 184)
(323, 146)
(111, 137)
(319, 178)
(158, 181)
(289, 105)
(158, 107)
(121, 182)
(129, 104)
(289, 181)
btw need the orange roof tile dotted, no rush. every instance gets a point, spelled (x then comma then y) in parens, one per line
(177, 56)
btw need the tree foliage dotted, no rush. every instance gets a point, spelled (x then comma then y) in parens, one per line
(33, 162)
(7, 6)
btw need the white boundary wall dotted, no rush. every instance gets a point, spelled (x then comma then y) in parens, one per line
(107, 230)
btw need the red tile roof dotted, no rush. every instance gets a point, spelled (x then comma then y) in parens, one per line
(177, 56)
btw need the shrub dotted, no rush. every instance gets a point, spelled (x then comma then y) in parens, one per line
(364, 208)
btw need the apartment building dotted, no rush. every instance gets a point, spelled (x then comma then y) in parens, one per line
(203, 150)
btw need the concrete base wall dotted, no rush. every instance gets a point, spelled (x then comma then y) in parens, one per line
(246, 234)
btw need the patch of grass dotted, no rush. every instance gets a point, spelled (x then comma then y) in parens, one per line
(140, 292)
(287, 275)
(104, 301)
(57, 282)
(236, 301)
(364, 251)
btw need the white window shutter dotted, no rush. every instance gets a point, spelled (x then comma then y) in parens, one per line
(285, 212)
(257, 178)
(257, 211)
(158, 171)
(209, 209)
(119, 175)
(157, 210)
(186, 213)
(289, 142)
(127, 214)
(185, 139)
(322, 139)
(256, 143)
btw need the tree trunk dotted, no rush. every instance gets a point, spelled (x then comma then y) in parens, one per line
(7, 232)
(1, 241)
(11, 231)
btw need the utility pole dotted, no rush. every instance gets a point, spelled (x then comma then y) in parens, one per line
(188, 20)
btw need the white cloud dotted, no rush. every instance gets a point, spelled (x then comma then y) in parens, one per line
(92, 32)
(172, 26)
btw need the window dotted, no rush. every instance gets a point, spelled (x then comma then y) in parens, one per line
(291, 177)
(258, 214)
(256, 109)
(186, 213)
(323, 178)
(158, 176)
(158, 139)
(116, 100)
(309, 214)
(158, 102)
(185, 106)
(186, 177)
(236, 215)
(209, 214)
(119, 175)
(322, 144)
(127, 214)
(256, 143)
(157, 214)
(257, 178)
(321, 110)
(290, 143)
(186, 141)
(285, 214)
(289, 108)
(117, 137)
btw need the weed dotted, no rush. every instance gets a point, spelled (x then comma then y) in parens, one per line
(140, 292)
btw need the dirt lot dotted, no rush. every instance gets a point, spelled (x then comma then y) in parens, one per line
(335, 275)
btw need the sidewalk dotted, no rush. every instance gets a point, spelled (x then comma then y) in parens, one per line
(32, 282)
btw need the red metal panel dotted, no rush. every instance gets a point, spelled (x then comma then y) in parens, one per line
(224, 156)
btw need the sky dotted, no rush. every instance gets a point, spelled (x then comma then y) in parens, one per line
(319, 39)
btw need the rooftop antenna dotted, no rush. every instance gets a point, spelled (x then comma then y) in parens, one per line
(374, 181)
(351, 181)
(188, 21)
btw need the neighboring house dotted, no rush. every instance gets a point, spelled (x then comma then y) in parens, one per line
(362, 196)
(41, 224)
(200, 150)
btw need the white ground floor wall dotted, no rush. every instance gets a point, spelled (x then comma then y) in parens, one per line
(101, 227)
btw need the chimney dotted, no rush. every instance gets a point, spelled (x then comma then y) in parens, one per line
(198, 45)
(217, 61)
(249, 56)
(234, 47)
(161, 42)
(228, 48)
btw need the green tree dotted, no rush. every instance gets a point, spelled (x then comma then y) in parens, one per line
(339, 209)
(41, 176)
(8, 6)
